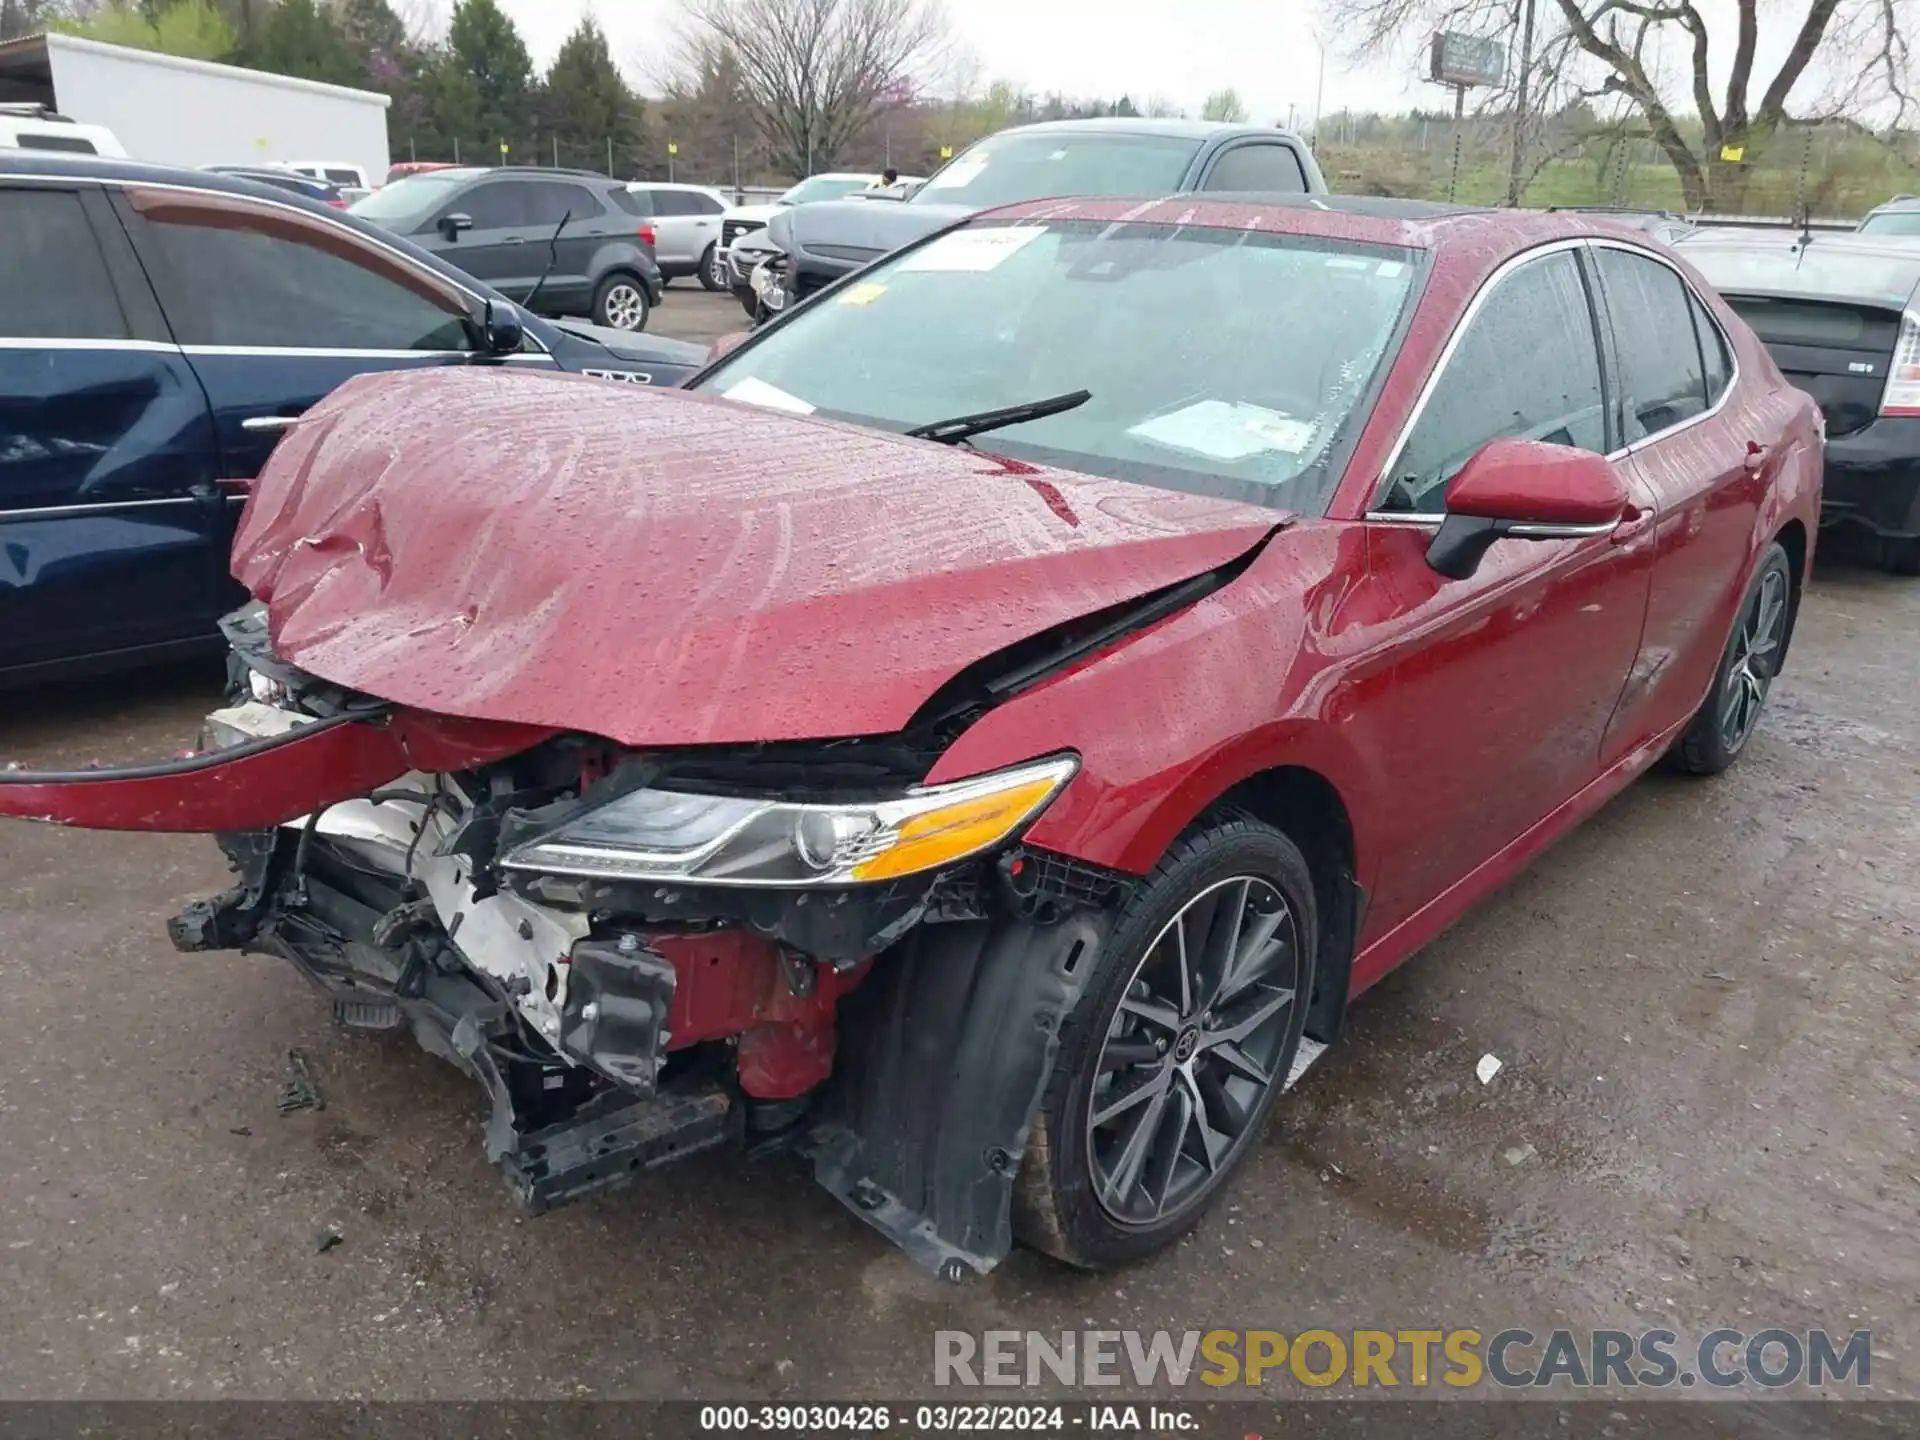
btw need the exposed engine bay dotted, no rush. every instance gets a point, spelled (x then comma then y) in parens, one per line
(640, 956)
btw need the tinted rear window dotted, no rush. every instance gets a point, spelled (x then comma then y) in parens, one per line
(1817, 323)
(1013, 166)
(53, 284)
(70, 144)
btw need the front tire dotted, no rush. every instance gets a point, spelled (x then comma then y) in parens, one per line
(620, 303)
(1172, 1059)
(1726, 722)
(710, 276)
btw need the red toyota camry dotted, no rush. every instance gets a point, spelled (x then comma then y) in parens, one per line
(985, 735)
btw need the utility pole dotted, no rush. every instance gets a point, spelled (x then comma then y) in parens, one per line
(1516, 161)
(1320, 90)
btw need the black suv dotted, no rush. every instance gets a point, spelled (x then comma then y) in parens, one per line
(499, 227)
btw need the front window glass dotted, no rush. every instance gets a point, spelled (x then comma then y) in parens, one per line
(1224, 362)
(1892, 222)
(1033, 166)
(823, 187)
(403, 203)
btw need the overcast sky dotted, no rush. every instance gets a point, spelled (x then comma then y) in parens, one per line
(1181, 49)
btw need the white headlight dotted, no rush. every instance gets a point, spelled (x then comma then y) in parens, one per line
(726, 840)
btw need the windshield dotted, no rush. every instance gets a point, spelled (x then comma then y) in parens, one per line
(823, 187)
(1223, 362)
(404, 203)
(1891, 222)
(1032, 166)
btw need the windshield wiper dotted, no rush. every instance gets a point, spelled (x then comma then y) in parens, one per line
(952, 432)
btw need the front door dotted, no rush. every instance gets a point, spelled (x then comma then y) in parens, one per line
(275, 307)
(113, 534)
(1494, 691)
(497, 248)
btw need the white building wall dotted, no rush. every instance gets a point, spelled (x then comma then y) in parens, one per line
(191, 112)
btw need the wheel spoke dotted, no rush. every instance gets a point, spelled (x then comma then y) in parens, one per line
(1134, 1095)
(1186, 969)
(1153, 1010)
(1133, 1153)
(1269, 1006)
(1262, 949)
(1214, 1143)
(1230, 1054)
(1157, 1182)
(1223, 943)
(1127, 1051)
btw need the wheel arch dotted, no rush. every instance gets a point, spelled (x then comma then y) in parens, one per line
(1307, 807)
(1792, 537)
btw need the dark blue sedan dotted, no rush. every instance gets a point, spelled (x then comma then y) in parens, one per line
(158, 329)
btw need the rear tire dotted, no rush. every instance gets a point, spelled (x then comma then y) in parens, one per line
(620, 303)
(710, 276)
(1148, 1105)
(1755, 650)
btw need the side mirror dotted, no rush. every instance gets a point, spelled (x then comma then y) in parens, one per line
(502, 331)
(451, 226)
(1524, 490)
(724, 343)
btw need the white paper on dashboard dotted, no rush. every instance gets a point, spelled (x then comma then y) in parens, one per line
(972, 249)
(1227, 430)
(753, 391)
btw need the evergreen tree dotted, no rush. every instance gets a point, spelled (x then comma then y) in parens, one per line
(583, 103)
(484, 47)
(300, 39)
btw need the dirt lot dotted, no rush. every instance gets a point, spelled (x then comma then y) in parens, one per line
(1704, 1002)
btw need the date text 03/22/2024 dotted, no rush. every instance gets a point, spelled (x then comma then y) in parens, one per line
(940, 1419)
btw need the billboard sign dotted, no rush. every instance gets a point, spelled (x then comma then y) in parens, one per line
(1466, 60)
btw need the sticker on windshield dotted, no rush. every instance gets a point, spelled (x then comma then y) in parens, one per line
(753, 391)
(972, 249)
(863, 294)
(1227, 430)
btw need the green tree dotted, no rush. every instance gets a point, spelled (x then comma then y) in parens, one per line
(485, 48)
(193, 28)
(300, 39)
(583, 103)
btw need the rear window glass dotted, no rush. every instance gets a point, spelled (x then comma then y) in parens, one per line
(1812, 322)
(53, 283)
(1020, 165)
(1892, 222)
(69, 144)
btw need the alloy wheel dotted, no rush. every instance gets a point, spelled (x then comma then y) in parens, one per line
(625, 307)
(1193, 1050)
(1756, 660)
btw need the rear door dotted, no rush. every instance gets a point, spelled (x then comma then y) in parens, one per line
(274, 307)
(569, 286)
(113, 532)
(1705, 458)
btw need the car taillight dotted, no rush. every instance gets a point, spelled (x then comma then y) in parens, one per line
(1902, 395)
(337, 204)
(646, 235)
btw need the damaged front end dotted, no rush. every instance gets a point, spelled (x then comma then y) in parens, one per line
(639, 955)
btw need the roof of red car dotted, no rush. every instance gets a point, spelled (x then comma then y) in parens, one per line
(1415, 224)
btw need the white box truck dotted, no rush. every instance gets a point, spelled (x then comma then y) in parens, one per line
(193, 112)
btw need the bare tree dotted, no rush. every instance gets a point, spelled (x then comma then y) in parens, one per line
(1224, 105)
(1613, 48)
(818, 74)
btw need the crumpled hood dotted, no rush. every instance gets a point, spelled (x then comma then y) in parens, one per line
(843, 234)
(669, 569)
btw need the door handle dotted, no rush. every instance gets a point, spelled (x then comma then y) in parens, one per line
(1636, 522)
(259, 424)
